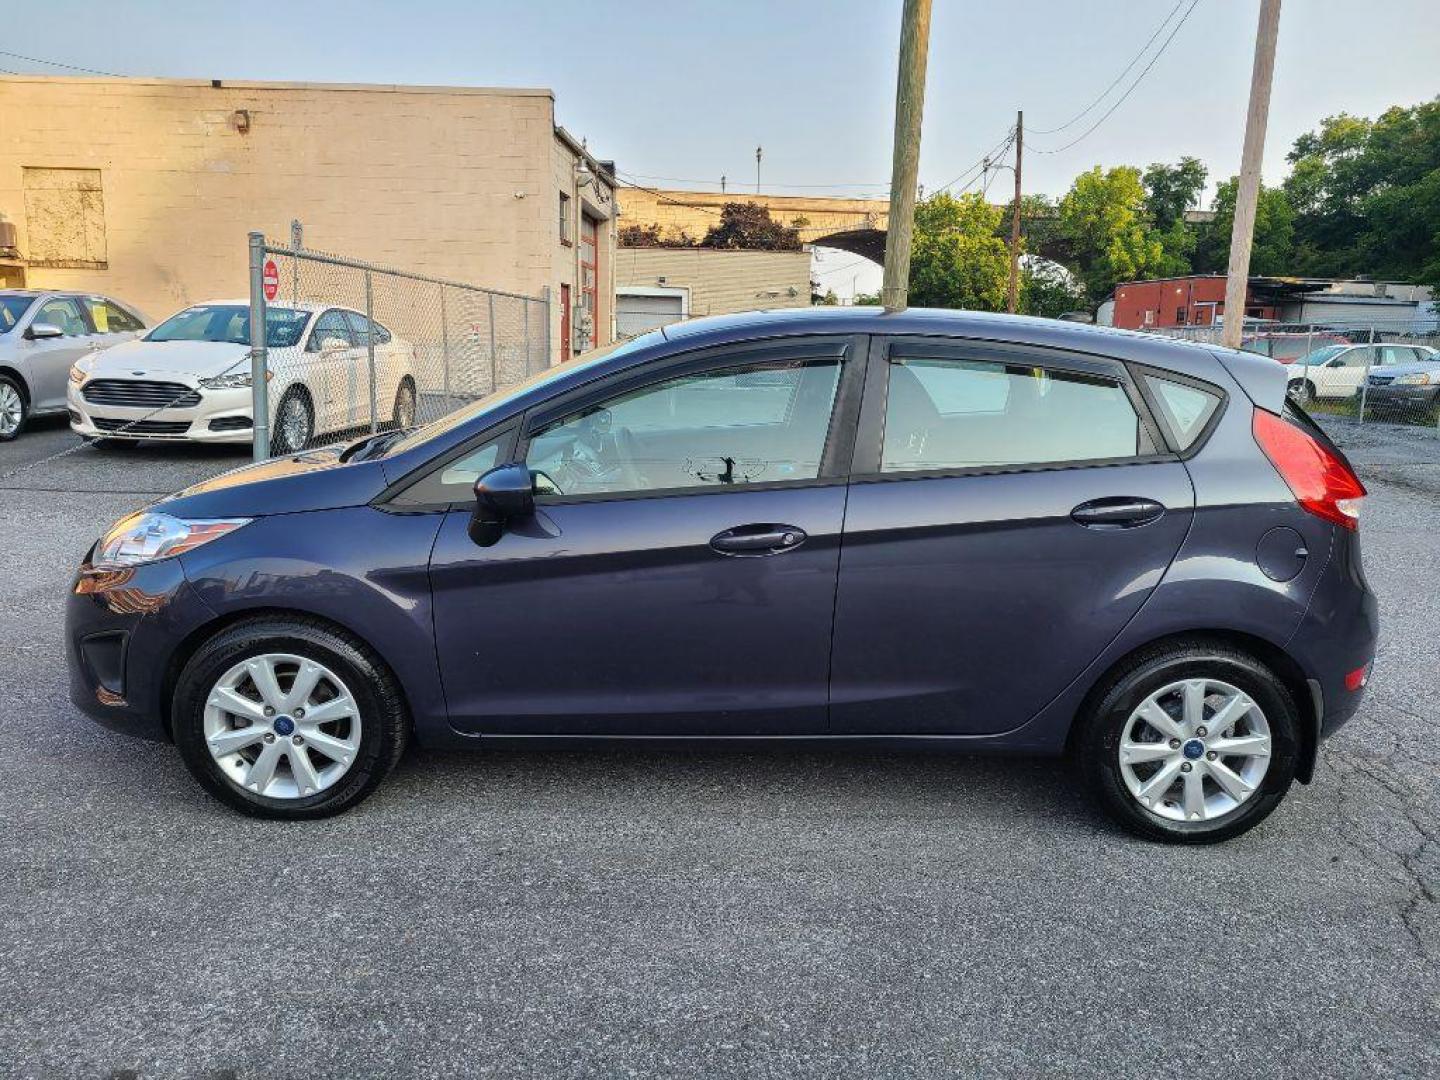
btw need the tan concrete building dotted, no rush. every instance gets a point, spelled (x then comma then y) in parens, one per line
(818, 218)
(657, 286)
(146, 188)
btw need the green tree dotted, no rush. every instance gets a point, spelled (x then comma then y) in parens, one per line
(957, 260)
(750, 226)
(1272, 251)
(1047, 290)
(1170, 190)
(1104, 219)
(1366, 195)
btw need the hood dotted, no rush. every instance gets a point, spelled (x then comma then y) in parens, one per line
(1419, 367)
(315, 480)
(203, 359)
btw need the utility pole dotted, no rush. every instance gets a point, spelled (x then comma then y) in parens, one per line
(1248, 193)
(722, 185)
(905, 167)
(1012, 302)
(758, 152)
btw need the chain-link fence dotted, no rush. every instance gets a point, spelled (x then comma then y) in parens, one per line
(1356, 371)
(348, 347)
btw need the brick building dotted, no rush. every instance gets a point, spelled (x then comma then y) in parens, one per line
(1195, 300)
(146, 188)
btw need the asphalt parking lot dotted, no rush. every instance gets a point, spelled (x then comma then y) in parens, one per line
(702, 912)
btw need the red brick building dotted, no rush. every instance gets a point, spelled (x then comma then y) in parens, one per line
(1195, 300)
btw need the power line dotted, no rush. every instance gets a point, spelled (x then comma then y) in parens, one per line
(998, 148)
(1124, 71)
(56, 63)
(1129, 90)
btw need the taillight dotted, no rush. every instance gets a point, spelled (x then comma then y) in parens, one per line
(1323, 484)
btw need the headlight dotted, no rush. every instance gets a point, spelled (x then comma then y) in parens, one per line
(148, 536)
(239, 380)
(1420, 378)
(77, 374)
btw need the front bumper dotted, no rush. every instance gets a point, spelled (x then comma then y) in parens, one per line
(122, 630)
(223, 416)
(1401, 397)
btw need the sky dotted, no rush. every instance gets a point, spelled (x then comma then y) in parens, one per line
(684, 91)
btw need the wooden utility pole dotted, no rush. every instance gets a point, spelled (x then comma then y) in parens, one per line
(1012, 302)
(905, 167)
(1242, 234)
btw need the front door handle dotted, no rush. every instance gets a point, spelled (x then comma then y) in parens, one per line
(758, 539)
(1117, 512)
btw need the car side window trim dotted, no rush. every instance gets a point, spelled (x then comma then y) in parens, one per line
(849, 350)
(505, 431)
(1172, 441)
(885, 351)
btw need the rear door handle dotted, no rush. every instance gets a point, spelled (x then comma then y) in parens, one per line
(758, 539)
(1117, 512)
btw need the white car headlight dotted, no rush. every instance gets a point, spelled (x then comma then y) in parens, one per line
(148, 536)
(237, 380)
(80, 370)
(1420, 378)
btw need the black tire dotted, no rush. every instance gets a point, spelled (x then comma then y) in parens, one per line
(1104, 720)
(384, 732)
(402, 415)
(282, 440)
(18, 401)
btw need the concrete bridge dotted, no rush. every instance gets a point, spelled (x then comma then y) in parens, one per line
(856, 225)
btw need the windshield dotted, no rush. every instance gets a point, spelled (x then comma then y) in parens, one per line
(1320, 356)
(230, 323)
(12, 310)
(421, 435)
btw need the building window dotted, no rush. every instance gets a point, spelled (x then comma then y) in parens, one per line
(565, 219)
(1180, 316)
(65, 218)
(1149, 317)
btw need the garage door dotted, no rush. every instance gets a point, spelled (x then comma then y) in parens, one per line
(636, 314)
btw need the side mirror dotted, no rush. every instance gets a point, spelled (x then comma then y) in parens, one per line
(504, 494)
(41, 330)
(1337, 362)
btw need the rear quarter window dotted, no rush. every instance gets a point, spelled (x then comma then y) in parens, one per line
(1186, 409)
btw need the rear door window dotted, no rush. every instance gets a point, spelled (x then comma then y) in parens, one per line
(950, 413)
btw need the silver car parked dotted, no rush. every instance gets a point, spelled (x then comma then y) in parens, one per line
(42, 334)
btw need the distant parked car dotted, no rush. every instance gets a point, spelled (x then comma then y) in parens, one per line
(1336, 371)
(41, 335)
(189, 378)
(1410, 388)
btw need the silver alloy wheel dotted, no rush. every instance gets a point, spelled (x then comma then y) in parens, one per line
(282, 726)
(12, 408)
(1195, 750)
(405, 406)
(294, 424)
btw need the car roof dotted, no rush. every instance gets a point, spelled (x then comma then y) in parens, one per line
(244, 301)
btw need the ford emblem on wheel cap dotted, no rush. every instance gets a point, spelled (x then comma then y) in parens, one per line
(1194, 749)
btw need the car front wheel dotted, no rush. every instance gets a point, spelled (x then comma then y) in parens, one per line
(1191, 743)
(14, 410)
(288, 719)
(294, 423)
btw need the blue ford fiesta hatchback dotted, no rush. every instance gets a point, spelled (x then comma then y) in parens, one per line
(977, 531)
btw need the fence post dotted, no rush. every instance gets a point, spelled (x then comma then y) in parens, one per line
(370, 350)
(494, 379)
(1365, 379)
(545, 337)
(445, 348)
(527, 335)
(259, 361)
(297, 241)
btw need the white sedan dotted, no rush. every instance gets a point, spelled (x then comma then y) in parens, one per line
(189, 378)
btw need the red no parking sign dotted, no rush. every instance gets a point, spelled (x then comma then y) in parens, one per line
(270, 279)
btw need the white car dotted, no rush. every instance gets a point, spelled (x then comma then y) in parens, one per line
(1336, 371)
(189, 378)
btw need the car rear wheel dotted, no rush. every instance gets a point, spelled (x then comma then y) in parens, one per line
(288, 719)
(294, 423)
(1190, 743)
(14, 409)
